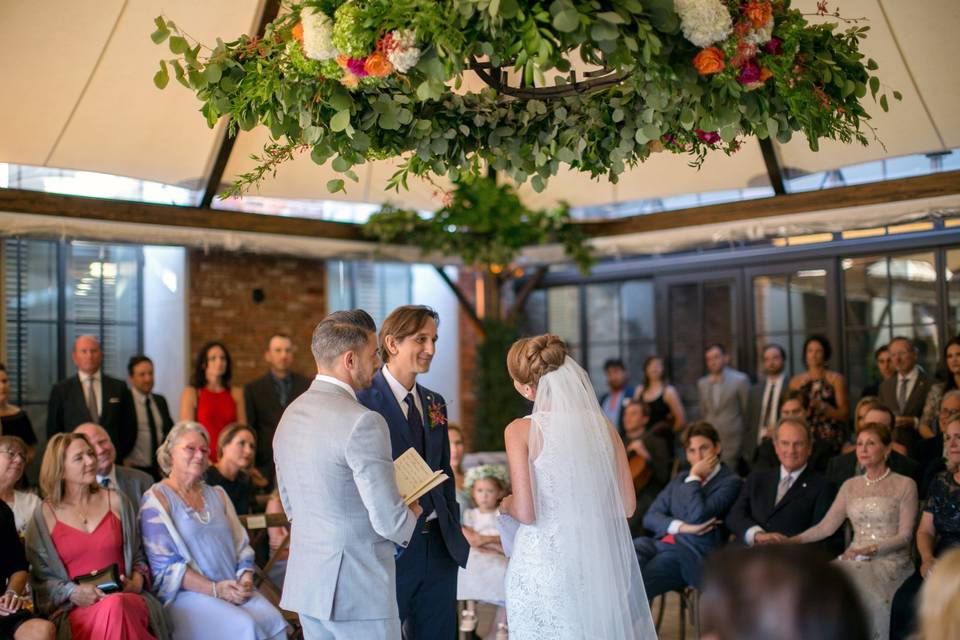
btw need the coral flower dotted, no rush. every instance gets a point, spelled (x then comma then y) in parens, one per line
(350, 81)
(298, 33)
(758, 13)
(765, 74)
(377, 65)
(709, 60)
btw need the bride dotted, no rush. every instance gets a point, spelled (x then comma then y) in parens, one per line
(573, 572)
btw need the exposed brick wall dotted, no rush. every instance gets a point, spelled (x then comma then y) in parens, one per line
(221, 306)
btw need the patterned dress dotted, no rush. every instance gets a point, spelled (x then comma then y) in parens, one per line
(826, 430)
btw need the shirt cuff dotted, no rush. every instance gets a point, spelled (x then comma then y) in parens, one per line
(693, 478)
(674, 527)
(751, 534)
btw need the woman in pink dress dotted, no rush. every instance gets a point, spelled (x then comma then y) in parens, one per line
(80, 529)
(209, 399)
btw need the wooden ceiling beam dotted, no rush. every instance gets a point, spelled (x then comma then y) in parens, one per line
(57, 205)
(929, 186)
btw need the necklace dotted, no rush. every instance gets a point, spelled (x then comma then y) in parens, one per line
(202, 515)
(870, 482)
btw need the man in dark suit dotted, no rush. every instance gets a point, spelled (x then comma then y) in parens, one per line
(92, 396)
(845, 466)
(906, 392)
(417, 417)
(132, 483)
(267, 396)
(763, 407)
(885, 368)
(153, 417)
(657, 459)
(775, 504)
(616, 399)
(687, 516)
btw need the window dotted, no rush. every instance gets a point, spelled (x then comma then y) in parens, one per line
(952, 277)
(376, 287)
(887, 296)
(787, 309)
(56, 291)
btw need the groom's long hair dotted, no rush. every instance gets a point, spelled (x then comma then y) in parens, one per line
(403, 322)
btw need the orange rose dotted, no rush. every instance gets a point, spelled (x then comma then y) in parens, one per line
(709, 60)
(298, 33)
(758, 12)
(765, 74)
(377, 65)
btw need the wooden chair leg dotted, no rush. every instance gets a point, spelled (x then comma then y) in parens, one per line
(683, 615)
(663, 605)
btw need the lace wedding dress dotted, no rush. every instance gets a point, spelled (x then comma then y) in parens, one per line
(882, 513)
(573, 573)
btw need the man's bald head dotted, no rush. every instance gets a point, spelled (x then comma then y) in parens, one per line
(87, 355)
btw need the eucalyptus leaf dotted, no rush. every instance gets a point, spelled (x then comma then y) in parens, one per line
(340, 121)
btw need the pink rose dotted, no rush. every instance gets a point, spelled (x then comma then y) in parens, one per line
(356, 67)
(709, 137)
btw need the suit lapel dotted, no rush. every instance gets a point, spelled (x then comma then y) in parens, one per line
(390, 410)
(798, 485)
(430, 447)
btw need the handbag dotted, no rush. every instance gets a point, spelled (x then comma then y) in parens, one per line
(106, 579)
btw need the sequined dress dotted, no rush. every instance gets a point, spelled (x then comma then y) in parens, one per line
(882, 513)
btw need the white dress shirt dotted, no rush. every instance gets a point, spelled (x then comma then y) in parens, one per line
(112, 477)
(141, 456)
(97, 388)
(340, 383)
(750, 535)
(777, 383)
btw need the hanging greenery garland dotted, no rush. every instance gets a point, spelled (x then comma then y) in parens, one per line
(353, 81)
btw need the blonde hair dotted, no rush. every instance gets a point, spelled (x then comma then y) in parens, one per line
(51, 470)
(14, 442)
(532, 358)
(953, 418)
(940, 599)
(230, 432)
(165, 450)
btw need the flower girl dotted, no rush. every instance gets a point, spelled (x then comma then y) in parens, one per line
(483, 579)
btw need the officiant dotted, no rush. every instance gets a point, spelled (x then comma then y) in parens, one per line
(417, 417)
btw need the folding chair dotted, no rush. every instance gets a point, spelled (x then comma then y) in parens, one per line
(256, 526)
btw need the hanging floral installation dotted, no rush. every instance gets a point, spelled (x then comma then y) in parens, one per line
(353, 81)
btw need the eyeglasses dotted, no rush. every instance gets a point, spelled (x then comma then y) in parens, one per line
(13, 455)
(192, 451)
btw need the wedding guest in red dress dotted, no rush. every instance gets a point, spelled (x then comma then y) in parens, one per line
(209, 399)
(82, 528)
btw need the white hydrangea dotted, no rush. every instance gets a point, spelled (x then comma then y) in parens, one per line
(317, 35)
(761, 35)
(704, 22)
(404, 59)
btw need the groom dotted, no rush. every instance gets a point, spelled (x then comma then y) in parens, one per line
(336, 480)
(427, 568)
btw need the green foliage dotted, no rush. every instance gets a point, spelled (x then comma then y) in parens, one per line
(485, 223)
(498, 403)
(818, 82)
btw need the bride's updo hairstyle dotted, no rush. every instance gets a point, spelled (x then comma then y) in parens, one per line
(530, 359)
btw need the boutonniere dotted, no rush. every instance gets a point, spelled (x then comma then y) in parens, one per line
(435, 413)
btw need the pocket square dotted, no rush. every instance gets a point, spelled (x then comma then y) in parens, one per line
(114, 400)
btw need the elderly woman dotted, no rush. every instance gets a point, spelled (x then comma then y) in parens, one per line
(13, 460)
(882, 507)
(199, 552)
(236, 451)
(938, 532)
(81, 529)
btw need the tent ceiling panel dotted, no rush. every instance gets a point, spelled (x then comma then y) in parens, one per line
(940, 80)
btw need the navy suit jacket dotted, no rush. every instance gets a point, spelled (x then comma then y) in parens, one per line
(694, 503)
(379, 397)
(804, 505)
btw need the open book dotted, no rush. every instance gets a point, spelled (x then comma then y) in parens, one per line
(414, 476)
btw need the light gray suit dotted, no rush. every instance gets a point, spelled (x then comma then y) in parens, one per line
(133, 483)
(337, 484)
(726, 410)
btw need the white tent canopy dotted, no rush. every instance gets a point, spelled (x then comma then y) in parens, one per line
(80, 96)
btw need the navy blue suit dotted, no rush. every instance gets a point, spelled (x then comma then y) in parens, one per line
(665, 566)
(427, 568)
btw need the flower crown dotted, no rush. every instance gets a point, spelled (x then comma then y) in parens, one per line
(495, 471)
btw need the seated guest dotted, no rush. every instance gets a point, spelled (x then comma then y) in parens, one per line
(456, 465)
(209, 399)
(266, 397)
(687, 516)
(782, 593)
(939, 610)
(15, 620)
(845, 466)
(777, 503)
(881, 506)
(153, 417)
(236, 453)
(80, 529)
(13, 460)
(130, 482)
(949, 405)
(652, 474)
(951, 364)
(939, 530)
(14, 421)
(199, 553)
